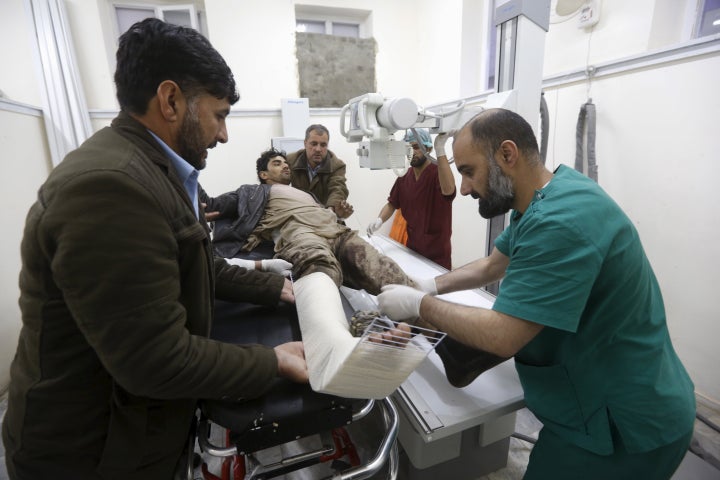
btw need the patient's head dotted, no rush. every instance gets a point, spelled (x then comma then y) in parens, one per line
(272, 167)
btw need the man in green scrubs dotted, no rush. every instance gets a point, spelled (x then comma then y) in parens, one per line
(579, 308)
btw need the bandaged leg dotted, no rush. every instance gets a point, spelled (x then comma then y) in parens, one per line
(339, 363)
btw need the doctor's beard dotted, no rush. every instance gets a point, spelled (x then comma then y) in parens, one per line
(500, 192)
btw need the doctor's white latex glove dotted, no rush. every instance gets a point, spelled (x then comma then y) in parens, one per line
(374, 226)
(400, 302)
(275, 265)
(440, 142)
(426, 285)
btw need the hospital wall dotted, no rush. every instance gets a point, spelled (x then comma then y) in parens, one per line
(656, 130)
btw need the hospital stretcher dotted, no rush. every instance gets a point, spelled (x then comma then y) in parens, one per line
(287, 412)
(444, 431)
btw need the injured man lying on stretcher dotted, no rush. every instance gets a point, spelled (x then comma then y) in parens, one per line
(323, 255)
(304, 232)
(324, 252)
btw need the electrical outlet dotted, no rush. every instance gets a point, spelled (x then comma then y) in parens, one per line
(589, 14)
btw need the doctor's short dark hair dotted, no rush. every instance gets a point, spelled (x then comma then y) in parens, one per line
(492, 127)
(152, 51)
(262, 163)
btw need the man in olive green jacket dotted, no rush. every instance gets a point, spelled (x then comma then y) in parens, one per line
(317, 170)
(118, 280)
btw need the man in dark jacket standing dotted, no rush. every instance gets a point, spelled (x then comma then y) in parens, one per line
(317, 170)
(118, 280)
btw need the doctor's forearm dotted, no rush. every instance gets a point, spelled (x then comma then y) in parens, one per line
(386, 212)
(480, 328)
(472, 275)
(445, 176)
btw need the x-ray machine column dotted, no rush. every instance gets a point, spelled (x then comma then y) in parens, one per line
(522, 25)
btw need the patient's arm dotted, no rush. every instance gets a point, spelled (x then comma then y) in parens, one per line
(343, 209)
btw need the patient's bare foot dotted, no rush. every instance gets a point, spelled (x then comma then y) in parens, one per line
(399, 335)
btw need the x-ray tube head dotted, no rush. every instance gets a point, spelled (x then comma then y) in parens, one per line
(374, 117)
(397, 114)
(372, 120)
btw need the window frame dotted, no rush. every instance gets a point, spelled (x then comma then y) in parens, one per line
(188, 7)
(331, 16)
(703, 9)
(329, 24)
(159, 9)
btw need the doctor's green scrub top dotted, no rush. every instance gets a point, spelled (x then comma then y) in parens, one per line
(577, 267)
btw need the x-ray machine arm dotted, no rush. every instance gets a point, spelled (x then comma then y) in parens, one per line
(371, 119)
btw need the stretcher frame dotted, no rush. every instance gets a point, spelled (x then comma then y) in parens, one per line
(246, 323)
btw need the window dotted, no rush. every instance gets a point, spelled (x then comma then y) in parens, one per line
(346, 29)
(310, 26)
(477, 50)
(708, 20)
(340, 22)
(328, 27)
(491, 53)
(187, 15)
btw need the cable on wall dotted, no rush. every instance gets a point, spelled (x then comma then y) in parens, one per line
(585, 131)
(585, 141)
(544, 127)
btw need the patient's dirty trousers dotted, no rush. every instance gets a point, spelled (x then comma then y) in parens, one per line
(347, 259)
(309, 237)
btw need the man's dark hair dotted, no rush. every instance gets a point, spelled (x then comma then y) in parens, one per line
(262, 163)
(492, 127)
(152, 51)
(316, 127)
